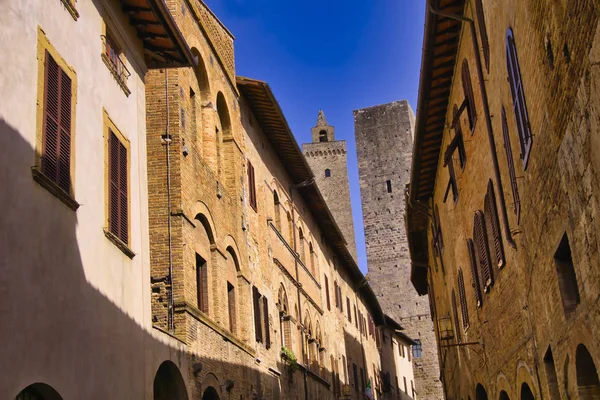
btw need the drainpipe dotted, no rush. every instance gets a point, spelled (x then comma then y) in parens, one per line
(488, 119)
(167, 140)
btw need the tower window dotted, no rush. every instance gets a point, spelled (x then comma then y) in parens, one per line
(327, 173)
(389, 186)
(323, 136)
(567, 280)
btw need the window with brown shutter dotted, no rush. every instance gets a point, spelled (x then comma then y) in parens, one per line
(266, 322)
(493, 226)
(438, 239)
(327, 292)
(511, 166)
(257, 315)
(463, 299)
(251, 186)
(469, 97)
(118, 201)
(477, 287)
(456, 322)
(355, 317)
(348, 309)
(56, 130)
(231, 306)
(335, 293)
(485, 44)
(518, 97)
(201, 284)
(483, 256)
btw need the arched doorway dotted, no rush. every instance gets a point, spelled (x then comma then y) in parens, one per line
(480, 393)
(587, 375)
(526, 393)
(38, 391)
(504, 395)
(210, 394)
(168, 383)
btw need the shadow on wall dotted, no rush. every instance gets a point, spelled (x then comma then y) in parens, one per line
(65, 339)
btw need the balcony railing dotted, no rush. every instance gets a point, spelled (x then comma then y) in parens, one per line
(112, 59)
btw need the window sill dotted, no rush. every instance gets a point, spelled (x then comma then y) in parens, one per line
(71, 8)
(117, 242)
(115, 75)
(54, 189)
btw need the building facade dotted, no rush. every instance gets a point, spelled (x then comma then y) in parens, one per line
(76, 308)
(504, 196)
(384, 143)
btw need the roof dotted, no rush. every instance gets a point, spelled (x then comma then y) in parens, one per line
(164, 44)
(390, 322)
(440, 48)
(268, 113)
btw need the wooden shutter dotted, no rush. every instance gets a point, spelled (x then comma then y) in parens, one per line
(477, 288)
(511, 166)
(327, 292)
(355, 317)
(349, 310)
(266, 320)
(118, 220)
(518, 96)
(463, 299)
(483, 256)
(257, 318)
(468, 91)
(251, 185)
(335, 290)
(456, 322)
(491, 214)
(485, 44)
(355, 371)
(231, 306)
(56, 130)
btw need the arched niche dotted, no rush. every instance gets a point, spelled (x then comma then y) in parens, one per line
(38, 391)
(168, 383)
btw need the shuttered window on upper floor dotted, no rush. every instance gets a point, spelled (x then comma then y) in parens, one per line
(481, 251)
(326, 281)
(469, 97)
(493, 226)
(438, 240)
(56, 130)
(476, 280)
(485, 43)
(251, 186)
(518, 96)
(118, 199)
(456, 321)
(464, 310)
(511, 166)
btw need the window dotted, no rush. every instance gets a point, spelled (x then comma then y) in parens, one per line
(201, 284)
(112, 58)
(463, 299)
(118, 198)
(348, 309)
(261, 318)
(397, 386)
(323, 136)
(327, 292)
(344, 366)
(518, 97)
(378, 338)
(301, 243)
(438, 240)
(355, 317)
(551, 377)
(417, 349)
(388, 184)
(362, 379)
(251, 186)
(337, 299)
(485, 44)
(412, 389)
(456, 143)
(312, 259)
(567, 279)
(483, 256)
(405, 387)
(266, 323)
(493, 226)
(371, 325)
(469, 98)
(231, 306)
(511, 166)
(277, 210)
(355, 370)
(456, 322)
(477, 289)
(327, 173)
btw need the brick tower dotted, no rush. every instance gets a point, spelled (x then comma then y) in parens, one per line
(327, 158)
(384, 145)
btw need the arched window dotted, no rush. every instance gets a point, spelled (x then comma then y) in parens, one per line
(232, 270)
(327, 173)
(323, 136)
(38, 391)
(277, 211)
(168, 383)
(587, 375)
(469, 97)
(199, 94)
(493, 226)
(456, 321)
(518, 97)
(417, 349)
(476, 281)
(504, 395)
(511, 166)
(485, 44)
(483, 256)
(225, 129)
(301, 245)
(463, 300)
(204, 240)
(290, 228)
(480, 393)
(526, 393)
(551, 377)
(285, 323)
(312, 259)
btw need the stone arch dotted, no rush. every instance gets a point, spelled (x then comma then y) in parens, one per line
(282, 300)
(223, 132)
(168, 383)
(211, 386)
(210, 394)
(230, 241)
(201, 208)
(504, 395)
(525, 376)
(526, 393)
(204, 246)
(277, 210)
(233, 284)
(503, 385)
(199, 96)
(480, 393)
(38, 391)
(588, 384)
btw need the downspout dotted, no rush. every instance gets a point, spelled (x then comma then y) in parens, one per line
(488, 119)
(167, 139)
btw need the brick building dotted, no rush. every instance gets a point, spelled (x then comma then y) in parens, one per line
(384, 143)
(504, 196)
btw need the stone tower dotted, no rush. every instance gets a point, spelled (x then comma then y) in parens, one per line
(327, 159)
(384, 136)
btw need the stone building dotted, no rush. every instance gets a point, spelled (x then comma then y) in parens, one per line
(327, 158)
(504, 196)
(384, 142)
(75, 286)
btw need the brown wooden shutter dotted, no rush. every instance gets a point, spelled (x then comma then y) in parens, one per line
(266, 318)
(56, 131)
(456, 322)
(349, 310)
(468, 91)
(477, 287)
(257, 318)
(118, 199)
(463, 299)
(251, 185)
(355, 317)
(202, 283)
(485, 44)
(511, 166)
(327, 292)
(335, 290)
(483, 256)
(491, 213)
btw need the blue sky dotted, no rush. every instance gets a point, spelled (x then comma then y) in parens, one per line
(333, 55)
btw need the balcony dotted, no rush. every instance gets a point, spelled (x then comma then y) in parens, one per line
(112, 58)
